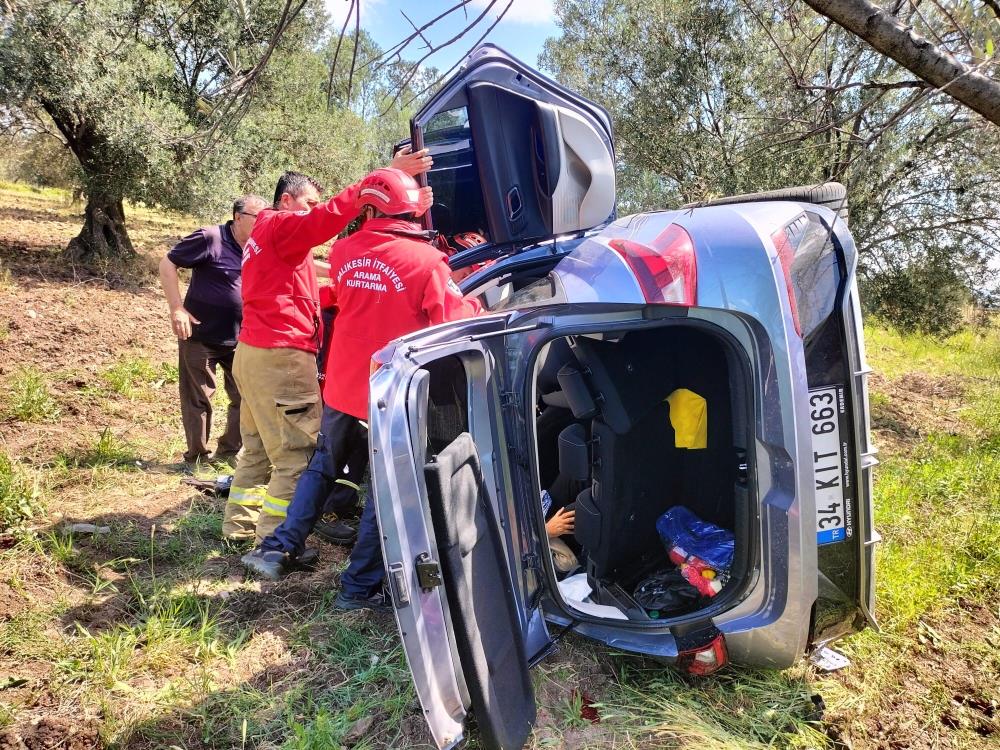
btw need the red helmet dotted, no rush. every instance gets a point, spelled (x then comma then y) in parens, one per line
(465, 240)
(391, 191)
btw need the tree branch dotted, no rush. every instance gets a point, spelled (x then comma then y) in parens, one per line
(936, 66)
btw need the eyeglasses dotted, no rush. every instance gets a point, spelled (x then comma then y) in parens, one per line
(244, 213)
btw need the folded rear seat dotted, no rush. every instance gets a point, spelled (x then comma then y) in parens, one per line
(635, 466)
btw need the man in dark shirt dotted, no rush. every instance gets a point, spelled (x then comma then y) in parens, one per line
(207, 324)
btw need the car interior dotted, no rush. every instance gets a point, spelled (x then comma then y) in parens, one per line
(608, 447)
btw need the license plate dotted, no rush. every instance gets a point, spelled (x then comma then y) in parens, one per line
(829, 459)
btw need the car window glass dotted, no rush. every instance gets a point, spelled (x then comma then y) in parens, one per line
(458, 198)
(815, 270)
(544, 291)
(447, 402)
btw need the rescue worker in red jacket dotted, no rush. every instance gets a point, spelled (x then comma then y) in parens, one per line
(275, 360)
(388, 280)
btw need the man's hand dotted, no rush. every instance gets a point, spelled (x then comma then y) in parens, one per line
(182, 321)
(425, 201)
(563, 522)
(412, 163)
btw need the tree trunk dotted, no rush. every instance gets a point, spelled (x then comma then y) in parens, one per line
(885, 33)
(103, 237)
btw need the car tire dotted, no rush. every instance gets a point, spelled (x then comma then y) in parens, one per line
(833, 195)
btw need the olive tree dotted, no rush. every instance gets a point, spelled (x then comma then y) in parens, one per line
(718, 97)
(143, 94)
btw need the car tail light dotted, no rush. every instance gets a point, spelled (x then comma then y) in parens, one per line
(380, 358)
(786, 254)
(706, 659)
(667, 271)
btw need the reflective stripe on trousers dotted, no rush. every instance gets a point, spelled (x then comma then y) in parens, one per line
(252, 497)
(274, 506)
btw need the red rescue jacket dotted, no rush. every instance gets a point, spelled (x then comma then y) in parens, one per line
(280, 293)
(385, 285)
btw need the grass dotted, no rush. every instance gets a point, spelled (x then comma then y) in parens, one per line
(931, 492)
(131, 376)
(108, 452)
(20, 494)
(29, 398)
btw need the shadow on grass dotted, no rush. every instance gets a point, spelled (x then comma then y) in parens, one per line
(170, 620)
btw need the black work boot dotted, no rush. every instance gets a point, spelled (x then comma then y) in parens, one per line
(331, 529)
(379, 601)
(273, 564)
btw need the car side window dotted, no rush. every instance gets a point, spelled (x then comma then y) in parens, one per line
(544, 291)
(458, 198)
(815, 271)
(447, 402)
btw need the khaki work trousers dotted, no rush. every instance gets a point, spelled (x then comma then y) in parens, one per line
(279, 423)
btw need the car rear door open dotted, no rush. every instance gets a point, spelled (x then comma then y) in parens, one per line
(517, 157)
(444, 510)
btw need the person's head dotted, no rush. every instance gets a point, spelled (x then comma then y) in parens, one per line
(296, 192)
(245, 210)
(389, 192)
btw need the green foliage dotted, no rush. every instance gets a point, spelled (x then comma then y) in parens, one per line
(20, 495)
(717, 97)
(938, 513)
(165, 103)
(41, 159)
(927, 296)
(29, 399)
(109, 451)
(129, 376)
(730, 711)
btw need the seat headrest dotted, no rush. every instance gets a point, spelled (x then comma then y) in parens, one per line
(628, 378)
(574, 388)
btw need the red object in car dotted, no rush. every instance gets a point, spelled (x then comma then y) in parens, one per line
(466, 240)
(667, 272)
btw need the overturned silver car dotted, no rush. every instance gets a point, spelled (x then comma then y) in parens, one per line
(566, 388)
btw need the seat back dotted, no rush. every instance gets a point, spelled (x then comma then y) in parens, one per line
(636, 477)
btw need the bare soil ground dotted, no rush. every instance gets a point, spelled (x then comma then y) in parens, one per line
(91, 657)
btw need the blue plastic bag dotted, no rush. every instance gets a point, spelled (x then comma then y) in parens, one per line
(681, 528)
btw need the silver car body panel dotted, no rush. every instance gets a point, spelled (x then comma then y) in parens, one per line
(399, 491)
(741, 290)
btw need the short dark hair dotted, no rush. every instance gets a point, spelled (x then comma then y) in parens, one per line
(294, 183)
(376, 214)
(240, 204)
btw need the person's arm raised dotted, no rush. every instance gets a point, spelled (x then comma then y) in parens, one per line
(295, 233)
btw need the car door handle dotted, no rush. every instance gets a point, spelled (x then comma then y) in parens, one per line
(514, 203)
(397, 583)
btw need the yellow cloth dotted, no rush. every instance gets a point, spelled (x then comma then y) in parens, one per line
(689, 417)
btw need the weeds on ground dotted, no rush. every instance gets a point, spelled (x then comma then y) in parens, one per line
(20, 494)
(734, 710)
(130, 376)
(974, 352)
(109, 451)
(938, 512)
(7, 284)
(29, 398)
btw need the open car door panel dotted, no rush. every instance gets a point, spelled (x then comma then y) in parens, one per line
(443, 509)
(517, 156)
(481, 597)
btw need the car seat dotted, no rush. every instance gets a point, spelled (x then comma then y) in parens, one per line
(636, 470)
